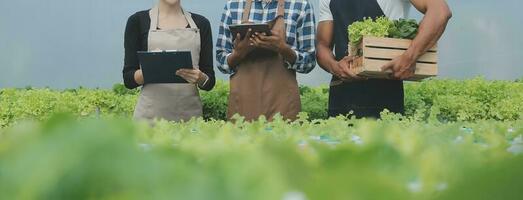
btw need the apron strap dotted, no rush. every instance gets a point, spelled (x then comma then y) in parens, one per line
(154, 14)
(189, 19)
(281, 8)
(246, 11)
(248, 6)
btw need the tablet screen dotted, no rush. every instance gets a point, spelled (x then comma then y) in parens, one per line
(243, 28)
(161, 66)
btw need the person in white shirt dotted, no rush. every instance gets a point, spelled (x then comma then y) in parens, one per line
(369, 97)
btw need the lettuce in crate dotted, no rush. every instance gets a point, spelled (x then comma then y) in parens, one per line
(369, 27)
(381, 27)
(404, 29)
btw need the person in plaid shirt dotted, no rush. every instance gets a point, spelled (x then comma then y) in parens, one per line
(263, 67)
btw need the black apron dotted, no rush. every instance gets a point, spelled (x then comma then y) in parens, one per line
(365, 98)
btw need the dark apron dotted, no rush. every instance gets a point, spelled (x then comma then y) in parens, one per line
(364, 98)
(262, 85)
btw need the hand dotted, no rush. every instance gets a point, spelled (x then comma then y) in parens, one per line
(275, 42)
(243, 46)
(403, 67)
(138, 77)
(342, 70)
(193, 76)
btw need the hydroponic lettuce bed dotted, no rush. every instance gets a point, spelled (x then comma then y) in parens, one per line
(432, 100)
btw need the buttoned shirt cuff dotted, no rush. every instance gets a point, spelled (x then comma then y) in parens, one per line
(225, 68)
(296, 64)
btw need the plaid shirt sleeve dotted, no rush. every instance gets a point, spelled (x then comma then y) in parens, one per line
(224, 45)
(306, 47)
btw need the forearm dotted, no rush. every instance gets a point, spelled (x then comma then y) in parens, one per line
(288, 54)
(208, 80)
(326, 58)
(234, 59)
(431, 29)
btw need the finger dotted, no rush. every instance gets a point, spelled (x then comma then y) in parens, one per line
(355, 76)
(181, 74)
(192, 78)
(350, 73)
(408, 75)
(399, 72)
(186, 71)
(195, 74)
(249, 34)
(341, 74)
(402, 73)
(187, 78)
(272, 38)
(257, 36)
(264, 37)
(388, 66)
(353, 58)
(348, 58)
(259, 42)
(237, 38)
(254, 41)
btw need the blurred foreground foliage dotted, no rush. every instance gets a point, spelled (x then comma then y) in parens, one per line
(110, 158)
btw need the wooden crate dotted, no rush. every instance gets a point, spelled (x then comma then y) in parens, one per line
(375, 52)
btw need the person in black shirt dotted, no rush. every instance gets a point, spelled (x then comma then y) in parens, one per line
(362, 97)
(168, 27)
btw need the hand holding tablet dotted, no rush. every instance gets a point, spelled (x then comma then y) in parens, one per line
(161, 66)
(242, 29)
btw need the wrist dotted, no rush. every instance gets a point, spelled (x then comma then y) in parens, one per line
(333, 64)
(411, 55)
(202, 79)
(236, 55)
(282, 48)
(288, 54)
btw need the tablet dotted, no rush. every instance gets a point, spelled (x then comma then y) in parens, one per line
(243, 28)
(161, 66)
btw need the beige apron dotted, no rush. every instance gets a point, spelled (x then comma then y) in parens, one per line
(173, 102)
(262, 85)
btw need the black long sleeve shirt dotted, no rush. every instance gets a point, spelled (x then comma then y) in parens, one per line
(136, 39)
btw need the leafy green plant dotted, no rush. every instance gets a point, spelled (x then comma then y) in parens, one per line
(120, 89)
(369, 27)
(431, 100)
(404, 29)
(338, 158)
(382, 27)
